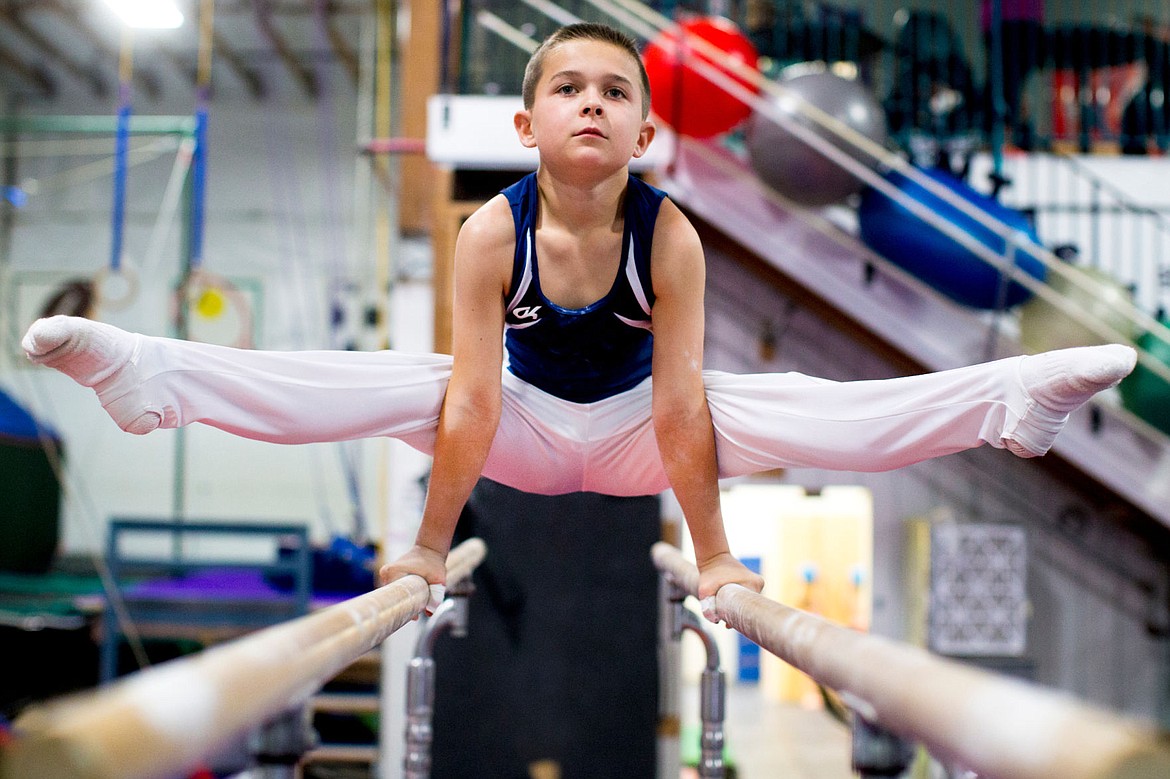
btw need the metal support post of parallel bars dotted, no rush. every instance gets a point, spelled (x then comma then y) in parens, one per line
(876, 751)
(279, 746)
(713, 686)
(449, 617)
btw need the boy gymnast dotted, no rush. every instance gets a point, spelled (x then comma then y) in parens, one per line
(578, 351)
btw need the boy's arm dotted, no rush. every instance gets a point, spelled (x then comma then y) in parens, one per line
(682, 420)
(471, 407)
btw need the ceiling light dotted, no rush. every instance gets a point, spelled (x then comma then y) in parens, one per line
(153, 14)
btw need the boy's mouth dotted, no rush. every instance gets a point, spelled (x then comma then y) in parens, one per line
(590, 131)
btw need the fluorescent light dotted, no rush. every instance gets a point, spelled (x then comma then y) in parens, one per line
(153, 14)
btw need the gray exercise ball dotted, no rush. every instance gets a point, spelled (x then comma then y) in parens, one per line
(788, 164)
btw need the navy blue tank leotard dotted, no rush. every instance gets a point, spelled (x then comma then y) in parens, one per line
(582, 354)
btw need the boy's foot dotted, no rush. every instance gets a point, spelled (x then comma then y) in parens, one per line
(86, 351)
(1058, 383)
(93, 354)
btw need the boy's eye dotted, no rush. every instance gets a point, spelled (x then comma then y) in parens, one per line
(566, 89)
(616, 93)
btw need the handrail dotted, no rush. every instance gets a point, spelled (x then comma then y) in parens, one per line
(995, 726)
(1115, 191)
(163, 721)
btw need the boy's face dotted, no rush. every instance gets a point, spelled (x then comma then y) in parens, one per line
(588, 107)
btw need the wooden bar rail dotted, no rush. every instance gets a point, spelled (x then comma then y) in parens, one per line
(163, 721)
(998, 727)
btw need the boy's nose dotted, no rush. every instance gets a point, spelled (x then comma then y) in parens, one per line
(591, 109)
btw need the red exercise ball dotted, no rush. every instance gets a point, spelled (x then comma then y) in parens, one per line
(680, 94)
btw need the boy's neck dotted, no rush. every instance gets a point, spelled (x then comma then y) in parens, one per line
(581, 203)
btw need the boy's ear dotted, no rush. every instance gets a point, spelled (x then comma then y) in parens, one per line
(522, 121)
(645, 135)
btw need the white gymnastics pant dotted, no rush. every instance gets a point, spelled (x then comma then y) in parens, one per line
(550, 446)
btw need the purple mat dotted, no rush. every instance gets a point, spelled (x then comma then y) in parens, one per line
(219, 584)
(234, 583)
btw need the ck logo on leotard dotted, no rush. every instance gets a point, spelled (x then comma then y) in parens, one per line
(527, 312)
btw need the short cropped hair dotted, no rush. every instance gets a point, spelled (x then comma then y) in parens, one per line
(588, 31)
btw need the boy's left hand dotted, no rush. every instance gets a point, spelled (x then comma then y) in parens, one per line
(720, 570)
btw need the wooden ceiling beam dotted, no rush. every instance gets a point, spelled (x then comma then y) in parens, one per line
(341, 48)
(300, 72)
(30, 73)
(251, 78)
(12, 17)
(222, 52)
(145, 78)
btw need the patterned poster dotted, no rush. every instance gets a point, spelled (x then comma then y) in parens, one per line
(978, 589)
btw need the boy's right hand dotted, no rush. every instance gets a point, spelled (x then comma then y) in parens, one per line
(720, 570)
(421, 561)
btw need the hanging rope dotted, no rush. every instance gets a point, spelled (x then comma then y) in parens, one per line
(199, 163)
(122, 144)
(211, 297)
(115, 287)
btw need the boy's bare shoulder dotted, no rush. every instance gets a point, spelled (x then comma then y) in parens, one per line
(672, 229)
(491, 226)
(676, 265)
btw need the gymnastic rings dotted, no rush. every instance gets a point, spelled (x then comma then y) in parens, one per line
(115, 288)
(73, 298)
(214, 310)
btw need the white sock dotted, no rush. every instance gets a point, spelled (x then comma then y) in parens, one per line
(94, 355)
(1059, 382)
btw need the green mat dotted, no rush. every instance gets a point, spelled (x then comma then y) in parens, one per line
(690, 747)
(49, 593)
